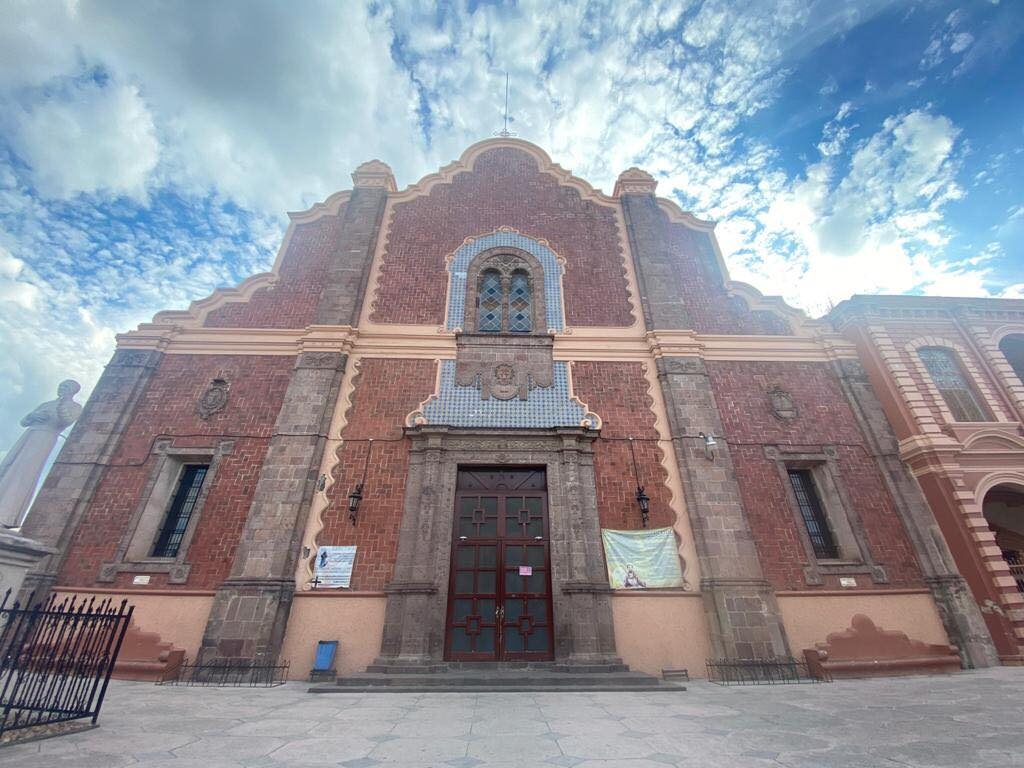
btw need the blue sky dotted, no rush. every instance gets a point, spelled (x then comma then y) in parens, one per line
(148, 151)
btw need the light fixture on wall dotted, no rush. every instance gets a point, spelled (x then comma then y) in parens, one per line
(356, 495)
(709, 445)
(642, 499)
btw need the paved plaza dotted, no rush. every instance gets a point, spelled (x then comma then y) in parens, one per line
(971, 720)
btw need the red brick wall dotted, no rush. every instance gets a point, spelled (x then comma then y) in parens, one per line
(386, 390)
(824, 418)
(617, 392)
(167, 409)
(505, 188)
(291, 303)
(700, 285)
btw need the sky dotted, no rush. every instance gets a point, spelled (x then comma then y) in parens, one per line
(149, 150)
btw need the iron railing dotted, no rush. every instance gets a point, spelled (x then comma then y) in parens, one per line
(56, 658)
(780, 671)
(224, 673)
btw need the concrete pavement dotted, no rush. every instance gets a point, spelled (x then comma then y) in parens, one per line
(968, 720)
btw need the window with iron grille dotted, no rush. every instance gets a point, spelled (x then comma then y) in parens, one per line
(183, 504)
(811, 511)
(949, 379)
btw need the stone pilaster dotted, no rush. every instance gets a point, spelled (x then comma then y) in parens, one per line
(743, 614)
(348, 274)
(75, 475)
(960, 615)
(656, 263)
(250, 609)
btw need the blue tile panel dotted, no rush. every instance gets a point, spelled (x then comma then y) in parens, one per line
(457, 406)
(465, 255)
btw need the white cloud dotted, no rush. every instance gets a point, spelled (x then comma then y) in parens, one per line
(877, 228)
(93, 138)
(226, 123)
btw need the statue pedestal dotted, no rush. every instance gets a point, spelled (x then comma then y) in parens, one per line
(17, 555)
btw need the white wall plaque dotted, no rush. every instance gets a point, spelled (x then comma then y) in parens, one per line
(334, 567)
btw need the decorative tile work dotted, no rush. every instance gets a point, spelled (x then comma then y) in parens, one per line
(459, 406)
(505, 239)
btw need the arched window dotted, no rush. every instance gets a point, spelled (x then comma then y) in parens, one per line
(509, 294)
(490, 301)
(1012, 347)
(949, 379)
(520, 301)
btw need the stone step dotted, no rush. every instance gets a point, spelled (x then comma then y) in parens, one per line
(478, 666)
(658, 688)
(497, 679)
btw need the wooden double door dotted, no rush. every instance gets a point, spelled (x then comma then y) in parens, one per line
(499, 595)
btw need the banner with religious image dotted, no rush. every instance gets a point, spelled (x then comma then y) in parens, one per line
(334, 567)
(644, 559)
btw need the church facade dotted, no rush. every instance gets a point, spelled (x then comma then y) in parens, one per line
(466, 392)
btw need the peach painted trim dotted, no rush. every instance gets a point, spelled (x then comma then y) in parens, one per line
(973, 507)
(989, 343)
(135, 591)
(670, 464)
(850, 592)
(338, 593)
(198, 310)
(922, 417)
(468, 159)
(969, 365)
(427, 342)
(330, 459)
(802, 324)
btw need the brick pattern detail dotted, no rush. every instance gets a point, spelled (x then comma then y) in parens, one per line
(680, 281)
(618, 393)
(824, 418)
(386, 390)
(167, 410)
(505, 188)
(292, 301)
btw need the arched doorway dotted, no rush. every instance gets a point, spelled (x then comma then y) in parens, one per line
(1004, 511)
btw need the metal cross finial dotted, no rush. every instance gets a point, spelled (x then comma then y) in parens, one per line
(505, 132)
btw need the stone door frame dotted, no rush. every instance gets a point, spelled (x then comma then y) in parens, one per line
(414, 622)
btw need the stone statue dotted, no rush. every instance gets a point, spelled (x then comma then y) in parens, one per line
(21, 467)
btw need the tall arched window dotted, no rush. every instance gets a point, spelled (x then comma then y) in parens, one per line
(1012, 347)
(949, 379)
(520, 301)
(509, 294)
(490, 301)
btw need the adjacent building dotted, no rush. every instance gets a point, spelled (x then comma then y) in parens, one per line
(950, 374)
(512, 395)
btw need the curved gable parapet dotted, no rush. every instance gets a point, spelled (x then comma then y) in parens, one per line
(195, 315)
(503, 184)
(797, 319)
(467, 162)
(329, 207)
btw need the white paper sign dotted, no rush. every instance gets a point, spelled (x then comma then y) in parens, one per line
(334, 567)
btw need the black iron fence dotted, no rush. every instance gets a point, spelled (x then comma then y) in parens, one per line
(56, 658)
(239, 673)
(782, 671)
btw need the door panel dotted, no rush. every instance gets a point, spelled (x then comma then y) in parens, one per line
(499, 602)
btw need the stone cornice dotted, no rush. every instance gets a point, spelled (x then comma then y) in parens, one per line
(864, 308)
(423, 341)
